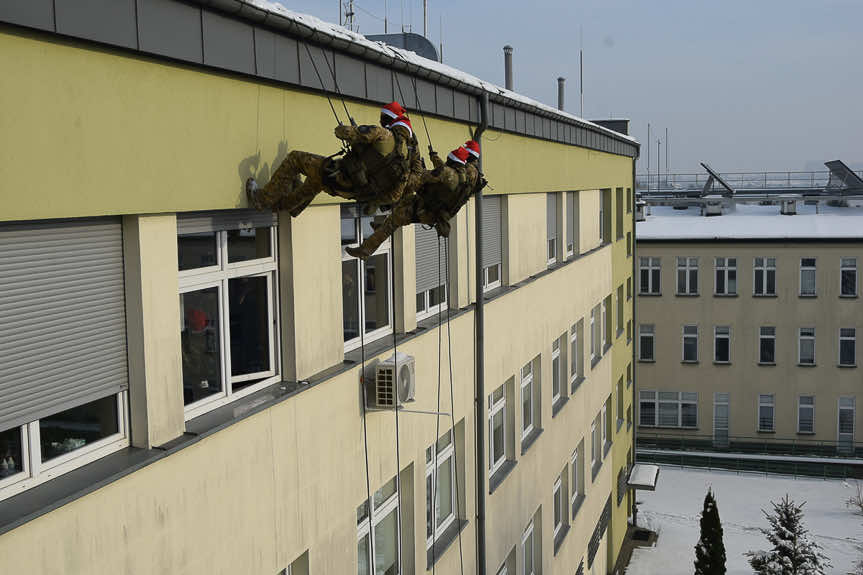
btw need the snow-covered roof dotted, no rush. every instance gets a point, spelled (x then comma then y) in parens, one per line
(343, 34)
(752, 222)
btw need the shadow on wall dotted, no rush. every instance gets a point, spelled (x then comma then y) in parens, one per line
(251, 167)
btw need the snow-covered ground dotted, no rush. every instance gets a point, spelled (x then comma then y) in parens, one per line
(674, 509)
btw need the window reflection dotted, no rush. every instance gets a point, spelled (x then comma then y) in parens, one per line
(11, 452)
(376, 292)
(249, 319)
(196, 250)
(350, 299)
(201, 344)
(74, 428)
(251, 244)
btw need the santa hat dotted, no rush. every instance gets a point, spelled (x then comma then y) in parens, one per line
(459, 155)
(393, 110)
(472, 146)
(402, 121)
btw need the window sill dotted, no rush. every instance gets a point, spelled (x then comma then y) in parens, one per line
(725, 295)
(575, 384)
(528, 441)
(807, 296)
(561, 535)
(846, 365)
(806, 365)
(689, 362)
(558, 405)
(847, 296)
(717, 362)
(644, 294)
(443, 543)
(687, 295)
(767, 363)
(646, 360)
(772, 431)
(765, 295)
(498, 476)
(805, 433)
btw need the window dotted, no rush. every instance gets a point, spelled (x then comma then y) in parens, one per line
(765, 412)
(628, 288)
(847, 346)
(726, 276)
(378, 538)
(492, 241)
(645, 342)
(619, 310)
(765, 276)
(847, 410)
(606, 327)
(496, 430)
(229, 315)
(440, 488)
(576, 353)
(571, 224)
(594, 343)
(618, 212)
(556, 375)
(668, 409)
(628, 331)
(690, 343)
(807, 277)
(722, 344)
(552, 234)
(806, 347)
(806, 414)
(620, 402)
(848, 277)
(767, 345)
(606, 425)
(628, 418)
(526, 400)
(40, 450)
(628, 200)
(559, 498)
(596, 442)
(491, 277)
(628, 244)
(687, 276)
(649, 269)
(576, 478)
(628, 375)
(527, 551)
(721, 413)
(431, 301)
(430, 276)
(366, 285)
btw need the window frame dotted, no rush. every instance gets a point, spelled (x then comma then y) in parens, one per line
(809, 407)
(527, 383)
(432, 310)
(576, 478)
(651, 265)
(575, 359)
(766, 337)
(559, 513)
(556, 372)
(642, 334)
(690, 267)
(717, 336)
(849, 264)
(683, 340)
(840, 408)
(378, 514)
(801, 338)
(766, 268)
(433, 470)
(653, 397)
(853, 339)
(766, 400)
(486, 286)
(528, 535)
(813, 268)
(724, 270)
(219, 277)
(496, 407)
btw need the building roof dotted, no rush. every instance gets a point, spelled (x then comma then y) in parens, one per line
(752, 222)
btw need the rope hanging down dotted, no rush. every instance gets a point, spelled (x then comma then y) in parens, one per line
(395, 403)
(321, 82)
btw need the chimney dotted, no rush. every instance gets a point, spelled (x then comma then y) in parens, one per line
(507, 65)
(560, 86)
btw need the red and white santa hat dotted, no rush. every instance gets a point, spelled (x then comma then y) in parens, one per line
(402, 121)
(472, 146)
(393, 110)
(459, 155)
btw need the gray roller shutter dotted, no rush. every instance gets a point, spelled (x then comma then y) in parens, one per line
(491, 231)
(551, 219)
(427, 259)
(220, 220)
(62, 316)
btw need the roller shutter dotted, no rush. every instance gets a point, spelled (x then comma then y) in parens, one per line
(427, 259)
(491, 230)
(62, 316)
(220, 220)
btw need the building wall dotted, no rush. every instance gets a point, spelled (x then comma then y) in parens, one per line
(744, 379)
(135, 136)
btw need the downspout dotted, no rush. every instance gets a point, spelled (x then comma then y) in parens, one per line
(634, 338)
(479, 394)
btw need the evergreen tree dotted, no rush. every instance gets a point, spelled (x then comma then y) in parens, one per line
(794, 552)
(710, 551)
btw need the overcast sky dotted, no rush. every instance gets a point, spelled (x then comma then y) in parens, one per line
(744, 85)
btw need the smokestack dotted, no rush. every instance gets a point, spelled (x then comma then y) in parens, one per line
(507, 64)
(560, 87)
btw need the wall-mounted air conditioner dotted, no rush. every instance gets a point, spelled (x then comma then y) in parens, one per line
(395, 381)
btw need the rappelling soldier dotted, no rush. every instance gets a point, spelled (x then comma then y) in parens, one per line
(443, 191)
(376, 169)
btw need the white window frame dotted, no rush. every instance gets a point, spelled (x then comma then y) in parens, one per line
(605, 437)
(766, 267)
(570, 241)
(801, 337)
(486, 286)
(551, 251)
(556, 372)
(808, 268)
(655, 397)
(604, 337)
(527, 392)
(687, 265)
(432, 310)
(647, 396)
(35, 472)
(557, 498)
(693, 334)
(573, 353)
(496, 407)
(723, 266)
(850, 405)
(810, 407)
(721, 332)
(770, 336)
(433, 471)
(379, 513)
(595, 446)
(721, 399)
(526, 537)
(847, 264)
(766, 400)
(576, 478)
(219, 277)
(593, 342)
(850, 335)
(646, 330)
(650, 264)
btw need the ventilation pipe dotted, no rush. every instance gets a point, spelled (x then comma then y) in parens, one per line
(507, 66)
(560, 88)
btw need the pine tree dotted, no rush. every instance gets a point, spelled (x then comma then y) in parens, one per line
(794, 551)
(710, 551)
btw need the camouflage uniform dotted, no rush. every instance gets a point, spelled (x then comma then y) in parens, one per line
(375, 170)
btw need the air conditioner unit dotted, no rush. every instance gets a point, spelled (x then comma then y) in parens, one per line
(395, 381)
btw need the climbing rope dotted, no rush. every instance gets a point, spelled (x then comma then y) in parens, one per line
(321, 81)
(417, 96)
(395, 403)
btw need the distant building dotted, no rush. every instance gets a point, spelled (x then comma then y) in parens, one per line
(748, 326)
(180, 376)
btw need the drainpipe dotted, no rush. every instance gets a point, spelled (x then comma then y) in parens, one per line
(479, 395)
(634, 338)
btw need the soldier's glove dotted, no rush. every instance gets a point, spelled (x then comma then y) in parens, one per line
(442, 227)
(481, 184)
(342, 132)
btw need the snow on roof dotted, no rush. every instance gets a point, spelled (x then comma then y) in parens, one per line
(747, 221)
(407, 56)
(643, 476)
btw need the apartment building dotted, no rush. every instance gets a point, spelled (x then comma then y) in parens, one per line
(191, 386)
(748, 325)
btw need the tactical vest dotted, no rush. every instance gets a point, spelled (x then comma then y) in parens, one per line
(440, 196)
(374, 173)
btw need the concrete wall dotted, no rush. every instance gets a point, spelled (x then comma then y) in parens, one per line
(743, 378)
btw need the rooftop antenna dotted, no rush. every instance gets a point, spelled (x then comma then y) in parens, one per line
(648, 157)
(666, 156)
(425, 18)
(441, 37)
(581, 69)
(341, 20)
(403, 16)
(386, 14)
(349, 15)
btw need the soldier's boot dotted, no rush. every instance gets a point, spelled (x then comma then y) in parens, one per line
(285, 190)
(371, 243)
